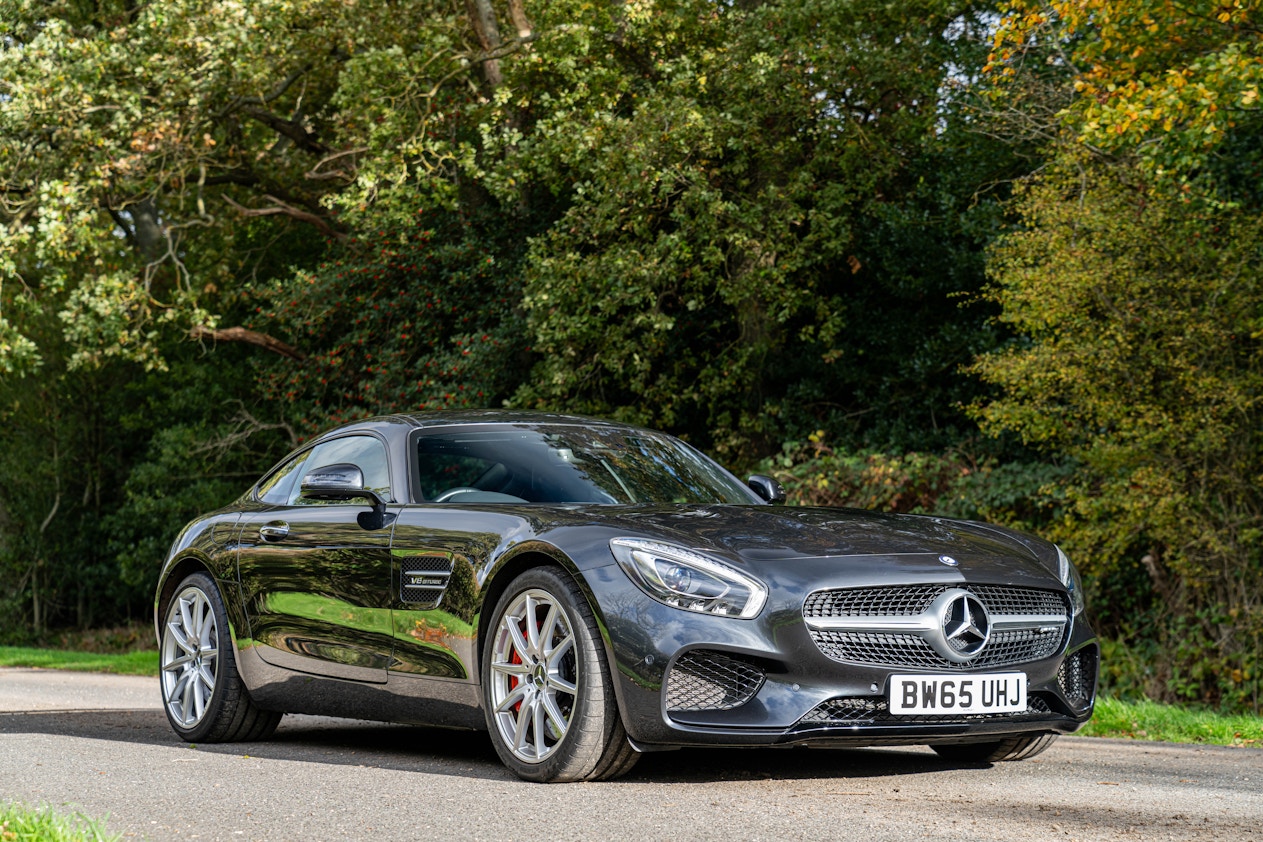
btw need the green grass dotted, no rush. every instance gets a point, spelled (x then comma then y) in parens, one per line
(1172, 724)
(21, 824)
(129, 663)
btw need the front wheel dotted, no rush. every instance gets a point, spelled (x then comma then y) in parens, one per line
(202, 693)
(546, 685)
(1013, 748)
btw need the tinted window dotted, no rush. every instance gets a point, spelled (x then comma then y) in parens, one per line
(277, 488)
(571, 464)
(365, 452)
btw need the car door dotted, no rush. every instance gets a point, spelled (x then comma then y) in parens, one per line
(441, 551)
(316, 574)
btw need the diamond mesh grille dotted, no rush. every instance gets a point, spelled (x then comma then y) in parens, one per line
(1001, 599)
(1077, 677)
(898, 649)
(910, 600)
(909, 650)
(427, 563)
(872, 710)
(872, 602)
(705, 680)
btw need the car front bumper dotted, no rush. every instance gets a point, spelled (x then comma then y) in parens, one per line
(689, 679)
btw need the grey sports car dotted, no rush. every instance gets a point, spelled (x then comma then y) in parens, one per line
(588, 591)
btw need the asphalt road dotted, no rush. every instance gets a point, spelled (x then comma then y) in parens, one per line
(101, 745)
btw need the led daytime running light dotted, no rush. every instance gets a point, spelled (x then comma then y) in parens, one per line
(1069, 575)
(685, 579)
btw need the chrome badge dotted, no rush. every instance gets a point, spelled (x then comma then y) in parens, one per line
(963, 627)
(948, 560)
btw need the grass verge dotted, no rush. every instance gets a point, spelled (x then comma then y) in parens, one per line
(22, 823)
(127, 663)
(1172, 724)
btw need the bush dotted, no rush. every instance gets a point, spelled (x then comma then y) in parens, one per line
(1024, 495)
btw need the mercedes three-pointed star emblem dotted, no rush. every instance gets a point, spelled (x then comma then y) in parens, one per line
(965, 626)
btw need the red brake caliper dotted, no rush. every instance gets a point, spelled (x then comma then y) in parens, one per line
(515, 658)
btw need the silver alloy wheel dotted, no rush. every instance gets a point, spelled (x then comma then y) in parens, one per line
(190, 657)
(533, 675)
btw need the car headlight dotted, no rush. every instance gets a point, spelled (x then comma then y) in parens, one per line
(685, 579)
(1069, 575)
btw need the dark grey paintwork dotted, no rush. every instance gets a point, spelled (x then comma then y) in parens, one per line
(325, 620)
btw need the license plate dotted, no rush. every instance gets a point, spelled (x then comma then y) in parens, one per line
(935, 695)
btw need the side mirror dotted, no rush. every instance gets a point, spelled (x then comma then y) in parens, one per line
(768, 489)
(341, 481)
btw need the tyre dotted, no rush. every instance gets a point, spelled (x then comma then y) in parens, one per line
(202, 693)
(1013, 748)
(546, 685)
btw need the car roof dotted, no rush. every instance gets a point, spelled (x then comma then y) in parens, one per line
(442, 418)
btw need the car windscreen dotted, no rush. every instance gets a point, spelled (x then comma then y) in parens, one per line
(567, 464)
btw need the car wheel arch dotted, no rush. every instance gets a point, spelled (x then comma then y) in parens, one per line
(525, 557)
(180, 570)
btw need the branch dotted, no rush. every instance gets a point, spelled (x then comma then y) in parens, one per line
(482, 18)
(517, 12)
(315, 174)
(288, 210)
(250, 337)
(245, 426)
(292, 129)
(238, 175)
(279, 89)
(277, 92)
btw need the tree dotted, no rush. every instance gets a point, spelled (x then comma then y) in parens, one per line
(1133, 279)
(1164, 81)
(139, 140)
(737, 183)
(161, 165)
(412, 317)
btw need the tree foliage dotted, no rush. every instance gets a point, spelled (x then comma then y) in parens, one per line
(417, 317)
(137, 140)
(1144, 365)
(1166, 81)
(743, 189)
(1133, 278)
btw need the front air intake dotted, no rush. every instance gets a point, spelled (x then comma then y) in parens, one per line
(1077, 677)
(705, 680)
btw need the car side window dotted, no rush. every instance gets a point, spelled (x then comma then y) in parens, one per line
(439, 472)
(365, 452)
(276, 489)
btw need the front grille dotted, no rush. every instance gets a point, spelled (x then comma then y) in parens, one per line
(705, 680)
(1077, 677)
(872, 602)
(913, 652)
(872, 710)
(1002, 599)
(910, 600)
(869, 625)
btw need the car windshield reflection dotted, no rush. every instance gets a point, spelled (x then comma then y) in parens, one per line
(568, 464)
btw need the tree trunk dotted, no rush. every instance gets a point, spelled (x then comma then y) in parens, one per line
(483, 19)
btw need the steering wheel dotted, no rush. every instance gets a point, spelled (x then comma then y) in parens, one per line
(452, 492)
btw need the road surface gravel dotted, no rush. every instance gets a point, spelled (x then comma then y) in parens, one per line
(101, 745)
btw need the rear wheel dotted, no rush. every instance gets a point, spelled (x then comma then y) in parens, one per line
(202, 693)
(546, 685)
(1012, 748)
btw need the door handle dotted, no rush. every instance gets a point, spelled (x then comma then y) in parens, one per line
(274, 531)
